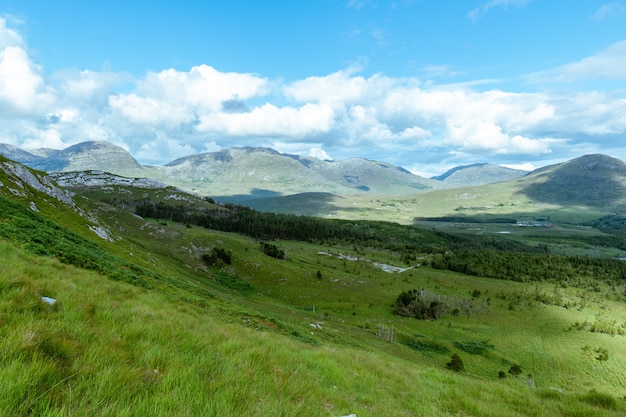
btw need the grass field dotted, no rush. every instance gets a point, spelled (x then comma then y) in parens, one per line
(145, 327)
(109, 348)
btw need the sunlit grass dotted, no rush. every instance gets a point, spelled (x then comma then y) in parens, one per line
(108, 348)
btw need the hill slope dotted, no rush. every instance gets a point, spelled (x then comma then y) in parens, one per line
(591, 180)
(144, 325)
(478, 174)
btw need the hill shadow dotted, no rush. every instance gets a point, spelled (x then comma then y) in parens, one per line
(595, 181)
(306, 204)
(242, 199)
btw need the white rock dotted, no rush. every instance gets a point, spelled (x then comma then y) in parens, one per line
(49, 301)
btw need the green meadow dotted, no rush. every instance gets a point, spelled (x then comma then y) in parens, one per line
(146, 324)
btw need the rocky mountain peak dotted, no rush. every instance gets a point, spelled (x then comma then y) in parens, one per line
(93, 155)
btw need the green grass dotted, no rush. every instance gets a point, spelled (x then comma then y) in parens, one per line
(237, 339)
(111, 348)
(108, 348)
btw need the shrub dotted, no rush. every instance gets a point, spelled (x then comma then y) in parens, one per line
(603, 354)
(456, 363)
(501, 374)
(217, 256)
(427, 305)
(272, 250)
(515, 370)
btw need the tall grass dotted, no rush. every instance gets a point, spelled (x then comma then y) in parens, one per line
(109, 348)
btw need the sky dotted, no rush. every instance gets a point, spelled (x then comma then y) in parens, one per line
(424, 84)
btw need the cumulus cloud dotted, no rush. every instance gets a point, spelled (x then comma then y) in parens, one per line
(167, 114)
(89, 87)
(270, 120)
(22, 87)
(340, 88)
(172, 97)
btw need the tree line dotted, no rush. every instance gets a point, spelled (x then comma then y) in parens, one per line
(577, 271)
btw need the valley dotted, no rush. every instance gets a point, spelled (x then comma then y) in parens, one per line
(184, 305)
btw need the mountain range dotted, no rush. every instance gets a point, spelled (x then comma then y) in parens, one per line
(258, 172)
(267, 180)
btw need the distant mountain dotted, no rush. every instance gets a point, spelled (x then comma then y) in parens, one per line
(19, 155)
(244, 171)
(478, 174)
(257, 174)
(95, 155)
(376, 177)
(590, 180)
(263, 172)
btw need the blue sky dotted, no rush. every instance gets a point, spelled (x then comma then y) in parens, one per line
(424, 84)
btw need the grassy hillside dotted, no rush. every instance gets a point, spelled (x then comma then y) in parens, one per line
(575, 192)
(110, 348)
(144, 325)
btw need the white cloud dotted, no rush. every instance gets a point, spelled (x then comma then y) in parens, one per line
(8, 36)
(22, 88)
(609, 10)
(90, 86)
(478, 12)
(525, 166)
(319, 153)
(609, 64)
(340, 89)
(270, 120)
(150, 111)
(171, 97)
(300, 148)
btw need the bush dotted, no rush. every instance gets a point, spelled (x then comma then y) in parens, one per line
(456, 363)
(272, 250)
(217, 256)
(501, 375)
(515, 370)
(427, 305)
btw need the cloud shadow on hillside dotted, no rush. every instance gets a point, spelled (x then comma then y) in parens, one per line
(255, 194)
(308, 204)
(575, 190)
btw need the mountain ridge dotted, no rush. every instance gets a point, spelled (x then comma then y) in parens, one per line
(478, 174)
(352, 175)
(264, 177)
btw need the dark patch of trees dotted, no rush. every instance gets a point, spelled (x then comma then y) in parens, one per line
(272, 250)
(410, 241)
(519, 266)
(217, 256)
(427, 305)
(464, 219)
(613, 223)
